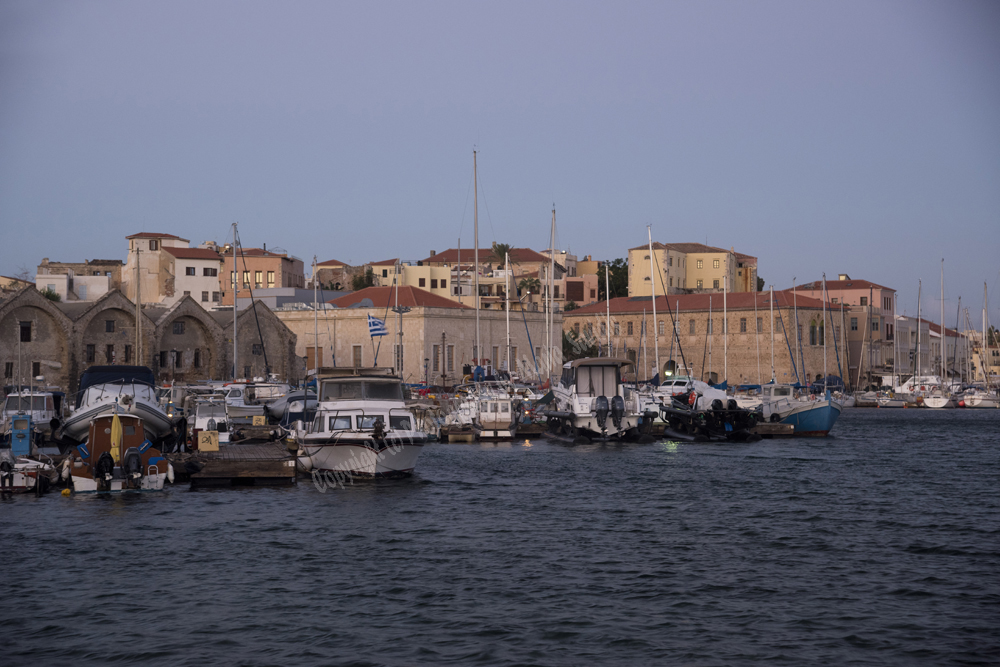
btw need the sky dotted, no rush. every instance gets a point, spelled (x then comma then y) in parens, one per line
(839, 137)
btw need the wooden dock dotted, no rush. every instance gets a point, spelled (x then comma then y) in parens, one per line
(245, 464)
(770, 430)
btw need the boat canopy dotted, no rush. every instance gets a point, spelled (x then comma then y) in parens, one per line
(598, 361)
(114, 375)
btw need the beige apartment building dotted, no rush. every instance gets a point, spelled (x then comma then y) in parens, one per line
(687, 268)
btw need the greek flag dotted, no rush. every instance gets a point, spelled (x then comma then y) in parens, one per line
(376, 327)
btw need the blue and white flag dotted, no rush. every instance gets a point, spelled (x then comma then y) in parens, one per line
(376, 327)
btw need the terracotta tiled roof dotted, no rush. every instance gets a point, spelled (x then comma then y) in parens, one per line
(409, 297)
(700, 302)
(154, 235)
(841, 285)
(936, 328)
(254, 252)
(687, 248)
(193, 253)
(385, 262)
(332, 262)
(517, 256)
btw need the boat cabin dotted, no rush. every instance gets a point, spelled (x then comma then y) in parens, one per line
(598, 376)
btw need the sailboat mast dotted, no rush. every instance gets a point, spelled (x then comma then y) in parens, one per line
(825, 374)
(607, 303)
(398, 362)
(984, 357)
(652, 284)
(315, 319)
(138, 309)
(506, 266)
(771, 329)
(552, 277)
(756, 336)
(475, 252)
(459, 273)
(943, 348)
(895, 347)
(920, 286)
(236, 293)
(711, 334)
(725, 330)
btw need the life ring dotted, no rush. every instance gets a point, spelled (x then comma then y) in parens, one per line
(692, 399)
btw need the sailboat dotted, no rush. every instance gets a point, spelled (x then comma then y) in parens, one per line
(939, 396)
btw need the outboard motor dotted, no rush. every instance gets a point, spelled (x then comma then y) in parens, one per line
(6, 470)
(601, 410)
(104, 470)
(617, 410)
(717, 404)
(132, 464)
(732, 404)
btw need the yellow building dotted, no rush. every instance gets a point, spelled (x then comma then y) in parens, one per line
(689, 268)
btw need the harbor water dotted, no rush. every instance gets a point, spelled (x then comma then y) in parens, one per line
(877, 546)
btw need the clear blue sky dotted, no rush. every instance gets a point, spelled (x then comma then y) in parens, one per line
(858, 137)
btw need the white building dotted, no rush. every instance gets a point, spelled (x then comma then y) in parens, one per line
(72, 287)
(169, 270)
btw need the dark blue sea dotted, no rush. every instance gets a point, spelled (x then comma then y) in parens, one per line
(878, 546)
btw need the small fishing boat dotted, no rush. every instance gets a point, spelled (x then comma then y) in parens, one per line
(22, 469)
(811, 416)
(362, 426)
(210, 415)
(590, 401)
(117, 458)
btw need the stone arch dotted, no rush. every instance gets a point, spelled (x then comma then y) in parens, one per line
(279, 343)
(91, 328)
(188, 344)
(50, 332)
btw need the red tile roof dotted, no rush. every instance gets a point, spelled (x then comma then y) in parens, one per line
(682, 247)
(700, 302)
(385, 262)
(193, 253)
(517, 256)
(254, 252)
(410, 297)
(332, 262)
(841, 285)
(154, 235)
(936, 328)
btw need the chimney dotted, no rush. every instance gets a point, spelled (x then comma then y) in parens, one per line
(433, 252)
(265, 247)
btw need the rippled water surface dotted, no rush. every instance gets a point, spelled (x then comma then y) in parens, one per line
(878, 546)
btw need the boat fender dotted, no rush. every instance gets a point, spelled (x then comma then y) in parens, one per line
(105, 467)
(66, 492)
(775, 418)
(601, 410)
(67, 464)
(617, 410)
(170, 473)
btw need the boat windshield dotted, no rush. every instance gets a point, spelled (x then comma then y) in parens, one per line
(357, 389)
(215, 410)
(15, 403)
(399, 423)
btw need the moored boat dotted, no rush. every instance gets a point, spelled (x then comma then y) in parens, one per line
(811, 416)
(117, 458)
(590, 401)
(122, 389)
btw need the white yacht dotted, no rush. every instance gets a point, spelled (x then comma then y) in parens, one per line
(590, 401)
(39, 405)
(129, 389)
(977, 398)
(210, 415)
(362, 426)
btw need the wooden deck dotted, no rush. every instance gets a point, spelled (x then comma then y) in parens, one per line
(244, 464)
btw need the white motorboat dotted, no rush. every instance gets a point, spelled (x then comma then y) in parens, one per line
(846, 400)
(21, 467)
(238, 402)
(811, 415)
(890, 400)
(362, 426)
(117, 458)
(499, 410)
(127, 389)
(590, 401)
(39, 405)
(210, 415)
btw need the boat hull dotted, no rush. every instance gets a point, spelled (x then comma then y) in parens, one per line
(939, 402)
(363, 456)
(155, 422)
(154, 482)
(813, 420)
(981, 402)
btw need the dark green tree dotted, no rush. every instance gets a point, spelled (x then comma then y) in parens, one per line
(577, 346)
(617, 279)
(760, 284)
(361, 281)
(571, 305)
(500, 251)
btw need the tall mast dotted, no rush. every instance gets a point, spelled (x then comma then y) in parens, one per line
(895, 347)
(771, 329)
(942, 327)
(138, 309)
(645, 356)
(475, 253)
(920, 286)
(725, 329)
(552, 278)
(398, 361)
(825, 374)
(954, 359)
(315, 319)
(459, 273)
(798, 334)
(607, 303)
(984, 357)
(506, 284)
(236, 293)
(756, 336)
(652, 284)
(711, 334)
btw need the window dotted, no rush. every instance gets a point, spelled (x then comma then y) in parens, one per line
(189, 271)
(854, 324)
(434, 283)
(340, 423)
(197, 358)
(154, 245)
(661, 328)
(617, 329)
(715, 284)
(671, 282)
(178, 328)
(629, 327)
(270, 278)
(8, 369)
(555, 291)
(109, 326)
(385, 273)
(128, 354)
(258, 279)
(604, 328)
(833, 300)
(444, 283)
(496, 353)
(210, 273)
(812, 333)
(593, 294)
(708, 325)
(421, 282)
(257, 350)
(691, 327)
(699, 264)
(187, 292)
(875, 324)
(356, 350)
(743, 325)
(436, 358)
(163, 358)
(25, 332)
(864, 301)
(232, 279)
(246, 279)
(246, 371)
(109, 354)
(451, 358)
(700, 284)
(215, 296)
(715, 263)
(36, 368)
(178, 358)
(760, 324)
(670, 261)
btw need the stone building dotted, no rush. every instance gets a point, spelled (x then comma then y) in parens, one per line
(680, 268)
(700, 327)
(259, 268)
(183, 342)
(79, 281)
(438, 335)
